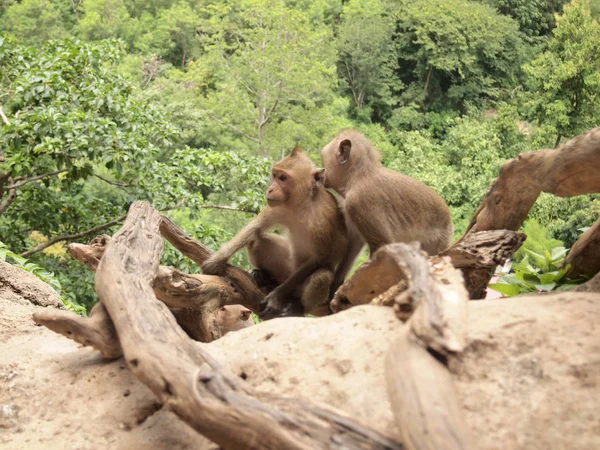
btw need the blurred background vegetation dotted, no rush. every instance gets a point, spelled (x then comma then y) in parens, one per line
(187, 103)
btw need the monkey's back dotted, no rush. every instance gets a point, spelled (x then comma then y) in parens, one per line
(387, 207)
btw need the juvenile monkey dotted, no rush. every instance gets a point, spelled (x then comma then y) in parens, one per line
(303, 264)
(386, 206)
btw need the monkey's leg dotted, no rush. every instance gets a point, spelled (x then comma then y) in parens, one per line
(315, 295)
(271, 253)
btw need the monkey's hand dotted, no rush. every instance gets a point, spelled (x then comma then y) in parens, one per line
(215, 265)
(272, 306)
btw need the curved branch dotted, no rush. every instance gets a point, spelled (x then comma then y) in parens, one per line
(12, 196)
(186, 378)
(68, 237)
(32, 179)
(227, 208)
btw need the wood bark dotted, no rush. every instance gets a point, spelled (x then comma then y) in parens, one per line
(479, 253)
(584, 256)
(569, 170)
(186, 378)
(250, 295)
(96, 331)
(420, 386)
(378, 279)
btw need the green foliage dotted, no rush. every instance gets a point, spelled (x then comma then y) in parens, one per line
(537, 272)
(564, 80)
(42, 274)
(452, 52)
(179, 103)
(33, 21)
(539, 239)
(535, 17)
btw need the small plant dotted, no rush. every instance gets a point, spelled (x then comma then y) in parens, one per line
(537, 272)
(42, 274)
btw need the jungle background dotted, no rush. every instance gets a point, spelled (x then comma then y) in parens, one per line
(186, 104)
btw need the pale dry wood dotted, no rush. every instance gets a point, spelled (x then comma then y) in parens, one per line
(584, 256)
(251, 296)
(476, 255)
(569, 170)
(479, 253)
(420, 387)
(96, 331)
(186, 378)
(423, 398)
(370, 280)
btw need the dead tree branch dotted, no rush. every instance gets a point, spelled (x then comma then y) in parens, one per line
(185, 377)
(569, 170)
(420, 386)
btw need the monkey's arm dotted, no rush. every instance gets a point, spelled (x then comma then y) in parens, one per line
(217, 263)
(276, 300)
(355, 245)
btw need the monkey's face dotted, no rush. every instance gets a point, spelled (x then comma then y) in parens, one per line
(279, 190)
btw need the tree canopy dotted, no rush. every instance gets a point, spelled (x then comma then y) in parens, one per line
(187, 104)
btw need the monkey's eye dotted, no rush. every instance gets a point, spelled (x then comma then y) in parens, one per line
(282, 177)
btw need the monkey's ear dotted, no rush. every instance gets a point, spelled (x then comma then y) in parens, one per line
(297, 151)
(318, 177)
(343, 153)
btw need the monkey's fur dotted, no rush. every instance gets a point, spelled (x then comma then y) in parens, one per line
(304, 263)
(384, 205)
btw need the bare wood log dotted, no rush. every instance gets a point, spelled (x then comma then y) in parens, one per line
(240, 280)
(569, 170)
(584, 256)
(476, 255)
(370, 280)
(97, 330)
(420, 386)
(175, 288)
(592, 285)
(479, 253)
(423, 398)
(184, 376)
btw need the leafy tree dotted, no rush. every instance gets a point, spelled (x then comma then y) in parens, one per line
(33, 22)
(265, 65)
(173, 35)
(104, 19)
(366, 53)
(535, 17)
(453, 51)
(564, 80)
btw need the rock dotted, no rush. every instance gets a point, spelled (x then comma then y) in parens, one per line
(529, 377)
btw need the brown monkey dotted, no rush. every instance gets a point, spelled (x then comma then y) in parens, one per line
(233, 318)
(317, 241)
(385, 206)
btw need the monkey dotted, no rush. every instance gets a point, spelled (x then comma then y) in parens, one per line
(316, 254)
(384, 205)
(233, 318)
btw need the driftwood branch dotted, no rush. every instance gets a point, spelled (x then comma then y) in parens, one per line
(69, 237)
(584, 256)
(569, 170)
(240, 280)
(185, 377)
(420, 386)
(96, 331)
(478, 254)
(378, 279)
